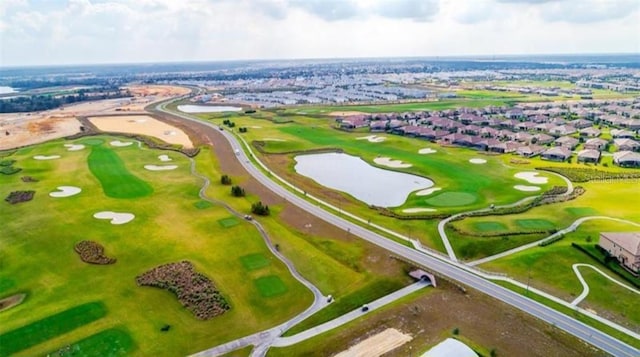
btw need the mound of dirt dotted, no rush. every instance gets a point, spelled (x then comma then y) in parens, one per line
(11, 301)
(20, 196)
(194, 290)
(93, 253)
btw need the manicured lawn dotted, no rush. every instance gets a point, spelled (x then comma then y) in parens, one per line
(489, 226)
(115, 178)
(582, 211)
(91, 141)
(270, 286)
(534, 224)
(451, 199)
(110, 342)
(228, 222)
(254, 261)
(42, 330)
(203, 204)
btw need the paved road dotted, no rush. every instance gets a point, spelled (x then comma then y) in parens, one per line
(585, 286)
(446, 268)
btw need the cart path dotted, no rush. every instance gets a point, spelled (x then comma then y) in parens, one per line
(585, 286)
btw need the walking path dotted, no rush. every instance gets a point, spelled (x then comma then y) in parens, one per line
(585, 286)
(569, 229)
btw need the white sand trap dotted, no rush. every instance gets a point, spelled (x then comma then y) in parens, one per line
(164, 158)
(160, 167)
(526, 188)
(396, 164)
(532, 177)
(119, 143)
(427, 151)
(74, 147)
(428, 191)
(45, 157)
(256, 127)
(377, 345)
(372, 138)
(478, 161)
(65, 191)
(272, 139)
(418, 210)
(115, 217)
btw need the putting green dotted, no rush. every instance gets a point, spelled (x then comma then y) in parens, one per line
(111, 342)
(254, 261)
(582, 211)
(450, 199)
(203, 204)
(534, 224)
(50, 327)
(270, 286)
(116, 180)
(228, 222)
(489, 226)
(91, 141)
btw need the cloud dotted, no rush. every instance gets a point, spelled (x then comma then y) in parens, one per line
(417, 10)
(589, 11)
(329, 10)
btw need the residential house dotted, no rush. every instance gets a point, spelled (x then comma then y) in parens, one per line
(624, 246)
(590, 132)
(504, 147)
(509, 123)
(626, 144)
(567, 142)
(506, 134)
(626, 159)
(526, 126)
(353, 122)
(596, 144)
(378, 125)
(515, 113)
(544, 127)
(487, 132)
(483, 143)
(581, 123)
(562, 130)
(530, 150)
(542, 139)
(470, 130)
(558, 153)
(523, 137)
(457, 139)
(622, 134)
(589, 155)
(632, 124)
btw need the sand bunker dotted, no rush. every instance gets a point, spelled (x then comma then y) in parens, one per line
(526, 188)
(74, 147)
(532, 177)
(65, 191)
(428, 191)
(256, 127)
(164, 158)
(160, 167)
(45, 157)
(478, 161)
(144, 125)
(372, 138)
(115, 217)
(396, 164)
(377, 344)
(272, 139)
(427, 151)
(418, 210)
(119, 143)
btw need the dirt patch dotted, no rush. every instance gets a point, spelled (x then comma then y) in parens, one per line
(194, 290)
(20, 129)
(20, 196)
(11, 301)
(377, 345)
(93, 253)
(144, 125)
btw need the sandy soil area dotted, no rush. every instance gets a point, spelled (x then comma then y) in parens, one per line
(145, 125)
(396, 164)
(345, 114)
(418, 210)
(427, 151)
(526, 188)
(532, 177)
(115, 217)
(24, 129)
(372, 138)
(478, 161)
(428, 191)
(377, 345)
(65, 191)
(74, 147)
(160, 167)
(45, 157)
(118, 143)
(144, 95)
(164, 158)
(272, 139)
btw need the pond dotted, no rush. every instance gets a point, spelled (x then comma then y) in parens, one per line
(356, 177)
(207, 108)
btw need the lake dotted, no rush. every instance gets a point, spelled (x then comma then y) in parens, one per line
(207, 108)
(356, 177)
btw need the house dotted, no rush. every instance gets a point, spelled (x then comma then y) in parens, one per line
(624, 246)
(526, 126)
(632, 124)
(353, 122)
(514, 113)
(612, 119)
(510, 123)
(557, 153)
(590, 132)
(470, 129)
(483, 143)
(458, 139)
(562, 130)
(544, 127)
(523, 137)
(622, 134)
(581, 123)
(626, 159)
(378, 125)
(487, 132)
(567, 142)
(596, 144)
(627, 144)
(504, 147)
(530, 150)
(506, 134)
(589, 155)
(542, 139)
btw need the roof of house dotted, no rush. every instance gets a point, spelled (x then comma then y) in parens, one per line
(629, 241)
(626, 142)
(626, 156)
(596, 141)
(558, 151)
(590, 154)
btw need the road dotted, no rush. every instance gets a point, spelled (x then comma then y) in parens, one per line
(449, 269)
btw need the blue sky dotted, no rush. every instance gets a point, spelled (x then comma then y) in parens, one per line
(40, 32)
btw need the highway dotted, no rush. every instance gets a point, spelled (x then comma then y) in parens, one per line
(439, 266)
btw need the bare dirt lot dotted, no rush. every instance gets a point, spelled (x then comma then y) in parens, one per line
(144, 95)
(142, 124)
(22, 130)
(377, 345)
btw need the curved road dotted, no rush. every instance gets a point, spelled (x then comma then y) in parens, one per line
(585, 286)
(446, 268)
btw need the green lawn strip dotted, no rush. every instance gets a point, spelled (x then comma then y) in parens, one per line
(387, 108)
(42, 330)
(228, 222)
(534, 224)
(610, 264)
(270, 286)
(476, 247)
(91, 141)
(203, 204)
(254, 261)
(573, 313)
(449, 199)
(582, 211)
(110, 342)
(489, 226)
(115, 178)
(343, 304)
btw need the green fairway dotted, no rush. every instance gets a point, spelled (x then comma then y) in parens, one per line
(270, 286)
(116, 180)
(452, 199)
(582, 211)
(203, 204)
(534, 224)
(39, 331)
(228, 222)
(254, 261)
(489, 226)
(111, 342)
(91, 141)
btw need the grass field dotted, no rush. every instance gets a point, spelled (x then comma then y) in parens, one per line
(489, 226)
(110, 342)
(116, 180)
(534, 224)
(270, 286)
(228, 222)
(452, 199)
(254, 261)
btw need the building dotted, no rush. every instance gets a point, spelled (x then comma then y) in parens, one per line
(567, 142)
(589, 155)
(557, 153)
(626, 159)
(596, 144)
(627, 144)
(624, 246)
(590, 132)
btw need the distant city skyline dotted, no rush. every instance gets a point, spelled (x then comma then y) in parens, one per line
(43, 32)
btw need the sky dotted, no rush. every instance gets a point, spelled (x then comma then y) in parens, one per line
(53, 32)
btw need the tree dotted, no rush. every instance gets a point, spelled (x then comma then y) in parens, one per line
(237, 191)
(260, 209)
(225, 180)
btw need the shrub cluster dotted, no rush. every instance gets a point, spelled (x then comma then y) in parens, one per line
(551, 241)
(260, 209)
(20, 196)
(228, 123)
(28, 179)
(194, 290)
(237, 191)
(225, 180)
(92, 252)
(584, 174)
(7, 168)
